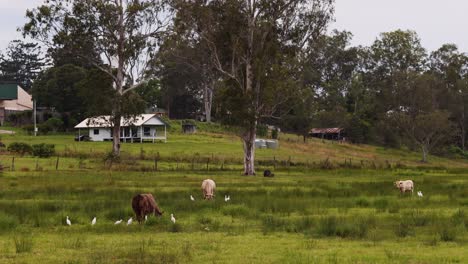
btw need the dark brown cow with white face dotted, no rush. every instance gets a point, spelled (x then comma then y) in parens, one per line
(144, 204)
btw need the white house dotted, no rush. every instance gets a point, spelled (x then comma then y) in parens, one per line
(145, 127)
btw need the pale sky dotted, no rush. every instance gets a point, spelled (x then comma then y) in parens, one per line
(436, 21)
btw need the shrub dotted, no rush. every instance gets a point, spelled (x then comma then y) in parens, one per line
(7, 222)
(43, 150)
(53, 124)
(447, 233)
(357, 227)
(272, 223)
(403, 229)
(328, 226)
(19, 148)
(262, 131)
(110, 157)
(23, 243)
(274, 133)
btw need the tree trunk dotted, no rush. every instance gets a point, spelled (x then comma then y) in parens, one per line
(208, 101)
(463, 130)
(116, 135)
(249, 149)
(424, 152)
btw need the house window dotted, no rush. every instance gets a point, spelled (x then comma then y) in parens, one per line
(147, 131)
(96, 132)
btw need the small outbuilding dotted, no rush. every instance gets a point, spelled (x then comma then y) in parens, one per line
(145, 127)
(334, 133)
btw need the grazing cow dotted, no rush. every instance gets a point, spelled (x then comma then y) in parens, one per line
(208, 187)
(144, 204)
(267, 173)
(405, 186)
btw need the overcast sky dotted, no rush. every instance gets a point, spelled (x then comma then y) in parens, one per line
(436, 21)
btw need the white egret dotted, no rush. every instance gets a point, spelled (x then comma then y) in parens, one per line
(93, 222)
(129, 222)
(146, 218)
(118, 222)
(420, 194)
(68, 221)
(191, 198)
(173, 218)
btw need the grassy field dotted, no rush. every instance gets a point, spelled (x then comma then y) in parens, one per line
(303, 215)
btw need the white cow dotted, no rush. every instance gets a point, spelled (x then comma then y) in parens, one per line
(405, 186)
(208, 187)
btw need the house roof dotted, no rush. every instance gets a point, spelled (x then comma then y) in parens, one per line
(333, 130)
(8, 91)
(104, 121)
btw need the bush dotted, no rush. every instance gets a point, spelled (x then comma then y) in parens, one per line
(458, 152)
(19, 148)
(7, 222)
(262, 131)
(54, 124)
(404, 228)
(447, 233)
(274, 133)
(23, 243)
(43, 150)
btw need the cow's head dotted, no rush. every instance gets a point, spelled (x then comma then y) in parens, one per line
(397, 184)
(209, 196)
(158, 212)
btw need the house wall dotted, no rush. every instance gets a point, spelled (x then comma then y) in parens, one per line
(104, 133)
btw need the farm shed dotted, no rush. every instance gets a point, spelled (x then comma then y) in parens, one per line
(145, 127)
(334, 133)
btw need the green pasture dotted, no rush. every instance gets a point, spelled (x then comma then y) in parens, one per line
(317, 216)
(328, 203)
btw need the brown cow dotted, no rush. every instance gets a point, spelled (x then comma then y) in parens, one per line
(144, 204)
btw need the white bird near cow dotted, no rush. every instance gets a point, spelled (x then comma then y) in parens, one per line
(146, 218)
(130, 221)
(227, 198)
(118, 222)
(93, 222)
(68, 221)
(173, 219)
(420, 194)
(191, 198)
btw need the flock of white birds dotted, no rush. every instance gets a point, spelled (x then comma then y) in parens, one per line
(227, 198)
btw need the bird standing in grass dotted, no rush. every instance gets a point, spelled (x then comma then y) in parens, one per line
(173, 218)
(227, 198)
(68, 221)
(93, 222)
(129, 222)
(118, 222)
(191, 198)
(146, 218)
(420, 194)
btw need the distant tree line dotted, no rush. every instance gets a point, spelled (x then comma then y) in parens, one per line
(242, 63)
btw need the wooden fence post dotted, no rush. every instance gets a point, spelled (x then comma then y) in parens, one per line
(57, 163)
(13, 164)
